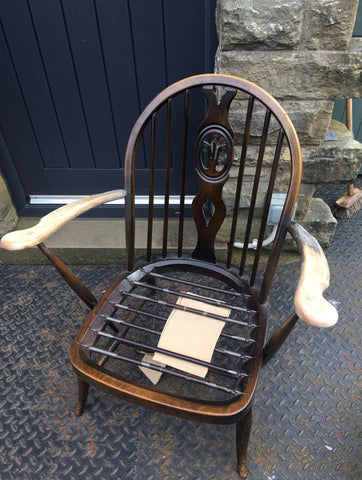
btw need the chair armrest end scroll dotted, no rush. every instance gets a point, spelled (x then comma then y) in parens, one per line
(309, 303)
(22, 239)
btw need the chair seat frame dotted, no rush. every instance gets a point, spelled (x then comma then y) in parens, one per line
(152, 397)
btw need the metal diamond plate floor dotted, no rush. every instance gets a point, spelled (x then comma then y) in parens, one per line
(307, 416)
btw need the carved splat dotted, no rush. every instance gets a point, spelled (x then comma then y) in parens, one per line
(214, 157)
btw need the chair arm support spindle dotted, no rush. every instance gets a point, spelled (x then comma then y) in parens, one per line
(49, 224)
(309, 303)
(73, 281)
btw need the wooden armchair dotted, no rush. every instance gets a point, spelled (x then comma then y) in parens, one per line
(220, 168)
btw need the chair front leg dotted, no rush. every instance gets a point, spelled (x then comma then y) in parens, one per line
(243, 428)
(83, 389)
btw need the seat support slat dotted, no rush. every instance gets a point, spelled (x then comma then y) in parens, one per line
(194, 284)
(188, 376)
(211, 366)
(187, 309)
(158, 317)
(208, 301)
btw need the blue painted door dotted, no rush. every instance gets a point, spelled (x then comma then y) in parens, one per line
(76, 74)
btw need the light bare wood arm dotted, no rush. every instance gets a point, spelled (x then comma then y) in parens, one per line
(309, 303)
(21, 239)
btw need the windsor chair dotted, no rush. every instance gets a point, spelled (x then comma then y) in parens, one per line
(219, 281)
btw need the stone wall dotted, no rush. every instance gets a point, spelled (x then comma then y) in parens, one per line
(301, 52)
(8, 215)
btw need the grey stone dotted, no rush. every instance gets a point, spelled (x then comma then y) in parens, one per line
(319, 222)
(228, 193)
(281, 186)
(237, 118)
(9, 221)
(302, 75)
(8, 215)
(311, 120)
(281, 182)
(70, 256)
(305, 197)
(330, 24)
(86, 233)
(258, 24)
(224, 232)
(335, 161)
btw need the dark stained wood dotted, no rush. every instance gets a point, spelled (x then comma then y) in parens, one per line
(183, 171)
(154, 398)
(140, 301)
(217, 112)
(279, 337)
(214, 156)
(77, 286)
(255, 189)
(267, 201)
(243, 428)
(215, 141)
(167, 178)
(83, 390)
(240, 178)
(152, 186)
(207, 232)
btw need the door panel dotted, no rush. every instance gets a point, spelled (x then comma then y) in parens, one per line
(76, 75)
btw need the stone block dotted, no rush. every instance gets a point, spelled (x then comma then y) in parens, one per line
(335, 161)
(237, 117)
(229, 188)
(225, 229)
(305, 197)
(319, 222)
(302, 75)
(311, 120)
(281, 186)
(9, 221)
(8, 215)
(259, 24)
(330, 24)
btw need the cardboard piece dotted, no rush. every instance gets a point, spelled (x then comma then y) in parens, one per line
(153, 375)
(191, 334)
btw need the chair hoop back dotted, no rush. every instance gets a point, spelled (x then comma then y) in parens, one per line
(214, 163)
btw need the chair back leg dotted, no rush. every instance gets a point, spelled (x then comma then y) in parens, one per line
(243, 428)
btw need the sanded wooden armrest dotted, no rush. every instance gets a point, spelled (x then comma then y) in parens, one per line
(21, 239)
(309, 303)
